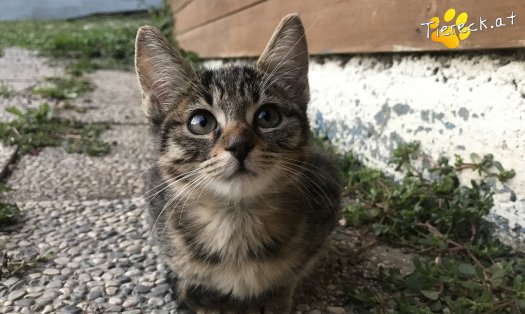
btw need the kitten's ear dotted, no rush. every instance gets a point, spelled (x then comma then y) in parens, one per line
(163, 74)
(285, 57)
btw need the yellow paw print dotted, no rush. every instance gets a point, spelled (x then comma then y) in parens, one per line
(452, 34)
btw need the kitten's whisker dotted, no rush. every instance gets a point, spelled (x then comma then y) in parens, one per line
(174, 208)
(171, 200)
(141, 174)
(308, 180)
(168, 183)
(303, 189)
(323, 172)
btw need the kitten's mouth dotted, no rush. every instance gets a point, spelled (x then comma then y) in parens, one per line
(241, 172)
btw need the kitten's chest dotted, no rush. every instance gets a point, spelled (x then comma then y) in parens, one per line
(236, 232)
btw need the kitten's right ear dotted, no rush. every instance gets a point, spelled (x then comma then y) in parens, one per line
(163, 74)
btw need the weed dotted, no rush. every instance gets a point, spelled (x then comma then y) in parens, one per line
(10, 268)
(5, 91)
(40, 127)
(62, 88)
(10, 214)
(459, 266)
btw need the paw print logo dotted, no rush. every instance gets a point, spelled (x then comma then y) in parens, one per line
(452, 34)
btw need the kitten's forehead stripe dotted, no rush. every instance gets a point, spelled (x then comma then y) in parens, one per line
(206, 79)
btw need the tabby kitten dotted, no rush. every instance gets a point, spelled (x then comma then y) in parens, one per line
(240, 203)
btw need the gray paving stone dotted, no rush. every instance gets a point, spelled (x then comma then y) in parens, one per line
(54, 174)
(21, 69)
(116, 98)
(70, 221)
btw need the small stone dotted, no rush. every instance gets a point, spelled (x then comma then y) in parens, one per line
(115, 301)
(53, 284)
(123, 279)
(35, 289)
(107, 276)
(34, 276)
(7, 309)
(336, 310)
(130, 302)
(155, 301)
(24, 302)
(117, 271)
(133, 273)
(43, 246)
(62, 260)
(70, 309)
(111, 290)
(33, 295)
(114, 308)
(95, 284)
(94, 293)
(51, 271)
(11, 281)
(160, 290)
(132, 312)
(142, 289)
(112, 283)
(16, 294)
(25, 310)
(84, 277)
(47, 309)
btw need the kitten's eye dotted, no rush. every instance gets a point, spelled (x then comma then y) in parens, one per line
(267, 117)
(202, 123)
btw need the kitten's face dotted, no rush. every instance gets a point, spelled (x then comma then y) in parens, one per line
(232, 131)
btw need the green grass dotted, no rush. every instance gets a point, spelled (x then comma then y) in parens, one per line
(36, 128)
(459, 266)
(10, 214)
(62, 88)
(5, 91)
(89, 43)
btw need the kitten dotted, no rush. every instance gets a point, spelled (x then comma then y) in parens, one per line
(241, 204)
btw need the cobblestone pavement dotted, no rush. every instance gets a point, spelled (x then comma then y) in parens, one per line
(85, 235)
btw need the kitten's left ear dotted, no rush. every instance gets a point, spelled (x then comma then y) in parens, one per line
(163, 73)
(285, 57)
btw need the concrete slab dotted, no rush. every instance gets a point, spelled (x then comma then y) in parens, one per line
(57, 175)
(116, 98)
(20, 69)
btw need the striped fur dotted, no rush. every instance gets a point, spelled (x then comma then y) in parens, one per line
(237, 233)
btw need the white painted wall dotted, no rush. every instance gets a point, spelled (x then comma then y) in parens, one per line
(452, 103)
(63, 9)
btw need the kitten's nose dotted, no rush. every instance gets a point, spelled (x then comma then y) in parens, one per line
(239, 147)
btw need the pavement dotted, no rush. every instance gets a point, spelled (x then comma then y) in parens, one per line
(85, 215)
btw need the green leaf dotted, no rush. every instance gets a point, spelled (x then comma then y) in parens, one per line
(15, 111)
(431, 294)
(521, 304)
(467, 269)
